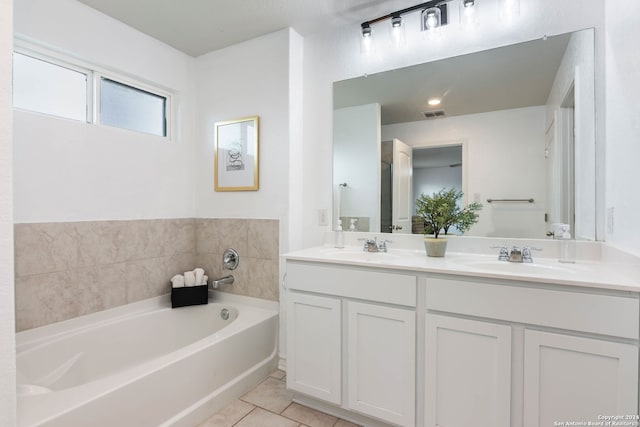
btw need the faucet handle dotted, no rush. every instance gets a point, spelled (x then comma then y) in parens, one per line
(369, 243)
(526, 253)
(504, 252)
(382, 245)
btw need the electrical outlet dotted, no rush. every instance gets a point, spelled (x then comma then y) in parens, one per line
(323, 217)
(610, 212)
(476, 197)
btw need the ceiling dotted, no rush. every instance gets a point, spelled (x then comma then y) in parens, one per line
(504, 78)
(196, 27)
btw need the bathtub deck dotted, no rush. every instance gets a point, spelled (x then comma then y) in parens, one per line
(269, 404)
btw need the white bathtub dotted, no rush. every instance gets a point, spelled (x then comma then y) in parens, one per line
(144, 364)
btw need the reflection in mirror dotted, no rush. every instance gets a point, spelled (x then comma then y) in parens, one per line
(512, 124)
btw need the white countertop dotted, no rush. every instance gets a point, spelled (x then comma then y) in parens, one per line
(621, 276)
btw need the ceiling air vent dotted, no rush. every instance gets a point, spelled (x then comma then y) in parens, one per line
(434, 114)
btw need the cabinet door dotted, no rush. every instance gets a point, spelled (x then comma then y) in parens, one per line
(468, 373)
(314, 346)
(569, 378)
(381, 362)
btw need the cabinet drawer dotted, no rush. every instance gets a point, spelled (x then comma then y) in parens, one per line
(390, 288)
(598, 314)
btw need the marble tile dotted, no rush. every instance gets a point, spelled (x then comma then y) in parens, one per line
(309, 417)
(146, 278)
(271, 394)
(44, 248)
(261, 418)
(215, 235)
(145, 239)
(179, 263)
(101, 264)
(263, 238)
(263, 276)
(44, 298)
(229, 415)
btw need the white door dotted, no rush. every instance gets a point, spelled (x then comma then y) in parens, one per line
(468, 373)
(381, 362)
(569, 378)
(559, 149)
(402, 191)
(313, 346)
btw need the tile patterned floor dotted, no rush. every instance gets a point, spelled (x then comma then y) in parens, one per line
(269, 404)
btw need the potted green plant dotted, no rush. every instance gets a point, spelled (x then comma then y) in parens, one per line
(440, 212)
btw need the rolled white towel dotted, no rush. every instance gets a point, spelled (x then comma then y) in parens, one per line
(205, 280)
(189, 278)
(199, 272)
(177, 281)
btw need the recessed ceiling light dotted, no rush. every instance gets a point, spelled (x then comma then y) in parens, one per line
(434, 101)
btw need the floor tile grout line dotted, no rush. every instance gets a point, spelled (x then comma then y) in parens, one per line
(245, 416)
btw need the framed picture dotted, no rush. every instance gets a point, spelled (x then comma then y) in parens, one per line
(236, 155)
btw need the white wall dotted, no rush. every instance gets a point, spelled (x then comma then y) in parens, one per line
(537, 18)
(577, 69)
(433, 179)
(514, 169)
(247, 79)
(260, 77)
(623, 124)
(71, 171)
(356, 162)
(7, 309)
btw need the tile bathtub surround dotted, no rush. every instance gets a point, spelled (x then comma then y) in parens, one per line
(270, 404)
(65, 270)
(257, 243)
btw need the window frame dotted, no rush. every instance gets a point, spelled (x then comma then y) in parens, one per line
(136, 84)
(94, 74)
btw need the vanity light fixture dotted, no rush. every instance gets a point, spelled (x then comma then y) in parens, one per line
(434, 15)
(366, 41)
(468, 13)
(396, 33)
(431, 18)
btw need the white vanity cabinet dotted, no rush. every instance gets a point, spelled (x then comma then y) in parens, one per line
(347, 331)
(381, 362)
(467, 373)
(542, 354)
(575, 378)
(314, 331)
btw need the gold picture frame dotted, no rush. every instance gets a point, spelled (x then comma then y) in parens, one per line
(236, 155)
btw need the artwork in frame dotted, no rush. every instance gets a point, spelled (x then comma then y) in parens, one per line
(236, 155)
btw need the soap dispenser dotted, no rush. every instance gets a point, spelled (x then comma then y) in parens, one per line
(339, 235)
(567, 248)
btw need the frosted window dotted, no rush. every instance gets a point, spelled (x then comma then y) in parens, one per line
(131, 108)
(49, 88)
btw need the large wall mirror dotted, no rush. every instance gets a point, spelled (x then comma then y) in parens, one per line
(514, 129)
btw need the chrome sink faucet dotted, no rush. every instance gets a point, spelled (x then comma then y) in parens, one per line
(372, 245)
(516, 254)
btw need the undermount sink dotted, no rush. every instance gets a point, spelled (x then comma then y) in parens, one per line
(519, 267)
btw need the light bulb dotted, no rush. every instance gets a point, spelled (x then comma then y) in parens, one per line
(468, 13)
(431, 18)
